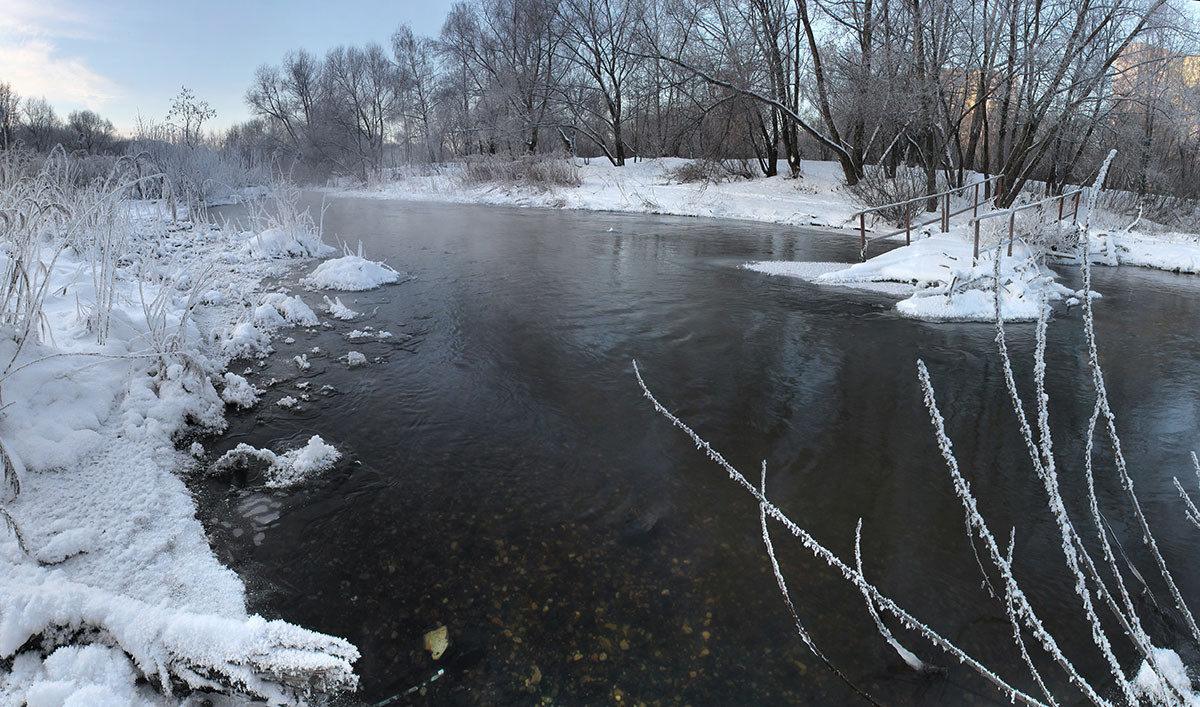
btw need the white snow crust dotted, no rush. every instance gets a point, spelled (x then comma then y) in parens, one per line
(350, 273)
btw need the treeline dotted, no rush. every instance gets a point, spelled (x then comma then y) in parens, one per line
(191, 165)
(1029, 89)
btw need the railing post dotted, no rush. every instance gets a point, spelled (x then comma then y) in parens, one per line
(907, 225)
(1012, 218)
(1075, 216)
(946, 212)
(1060, 203)
(975, 202)
(975, 258)
(862, 233)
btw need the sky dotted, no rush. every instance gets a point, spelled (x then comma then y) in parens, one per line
(122, 57)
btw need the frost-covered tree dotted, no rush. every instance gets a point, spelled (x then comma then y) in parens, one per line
(188, 115)
(89, 131)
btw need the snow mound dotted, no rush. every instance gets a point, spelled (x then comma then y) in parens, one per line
(283, 243)
(1150, 685)
(246, 341)
(238, 391)
(354, 359)
(287, 469)
(277, 310)
(350, 273)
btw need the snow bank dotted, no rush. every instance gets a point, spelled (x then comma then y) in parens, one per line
(1152, 686)
(270, 660)
(350, 273)
(819, 197)
(1174, 252)
(111, 581)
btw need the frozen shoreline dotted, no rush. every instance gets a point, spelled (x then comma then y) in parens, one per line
(108, 577)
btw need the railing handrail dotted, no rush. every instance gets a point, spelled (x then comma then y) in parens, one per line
(1012, 212)
(1017, 209)
(926, 197)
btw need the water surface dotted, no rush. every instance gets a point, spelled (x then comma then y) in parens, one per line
(504, 476)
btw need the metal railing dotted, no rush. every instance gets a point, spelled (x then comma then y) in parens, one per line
(1012, 215)
(943, 217)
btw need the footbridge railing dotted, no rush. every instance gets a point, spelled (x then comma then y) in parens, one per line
(1011, 213)
(943, 217)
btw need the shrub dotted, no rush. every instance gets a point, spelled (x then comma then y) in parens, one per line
(542, 171)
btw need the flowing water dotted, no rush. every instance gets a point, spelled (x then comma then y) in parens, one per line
(504, 476)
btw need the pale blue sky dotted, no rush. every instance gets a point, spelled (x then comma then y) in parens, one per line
(121, 56)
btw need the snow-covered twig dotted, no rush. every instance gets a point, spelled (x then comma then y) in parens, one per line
(787, 599)
(910, 659)
(821, 552)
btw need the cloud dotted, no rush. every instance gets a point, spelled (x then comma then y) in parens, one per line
(35, 68)
(31, 60)
(46, 18)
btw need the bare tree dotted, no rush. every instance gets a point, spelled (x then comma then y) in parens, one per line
(90, 131)
(598, 37)
(187, 116)
(42, 128)
(10, 116)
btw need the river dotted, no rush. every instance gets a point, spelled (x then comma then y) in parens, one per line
(505, 477)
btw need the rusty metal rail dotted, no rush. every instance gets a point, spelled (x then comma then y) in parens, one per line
(943, 218)
(1011, 213)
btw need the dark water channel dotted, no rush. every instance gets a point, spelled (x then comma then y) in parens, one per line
(504, 477)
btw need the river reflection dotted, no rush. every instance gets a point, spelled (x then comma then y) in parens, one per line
(504, 477)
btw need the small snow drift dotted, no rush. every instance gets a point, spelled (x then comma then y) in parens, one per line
(247, 341)
(238, 391)
(337, 310)
(350, 273)
(286, 310)
(287, 469)
(283, 243)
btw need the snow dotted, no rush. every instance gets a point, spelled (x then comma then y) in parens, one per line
(1175, 252)
(939, 281)
(355, 359)
(350, 273)
(282, 243)
(1149, 684)
(818, 198)
(238, 391)
(288, 469)
(246, 340)
(293, 310)
(113, 566)
(337, 310)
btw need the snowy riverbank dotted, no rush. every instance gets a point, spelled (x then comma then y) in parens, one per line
(109, 591)
(934, 279)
